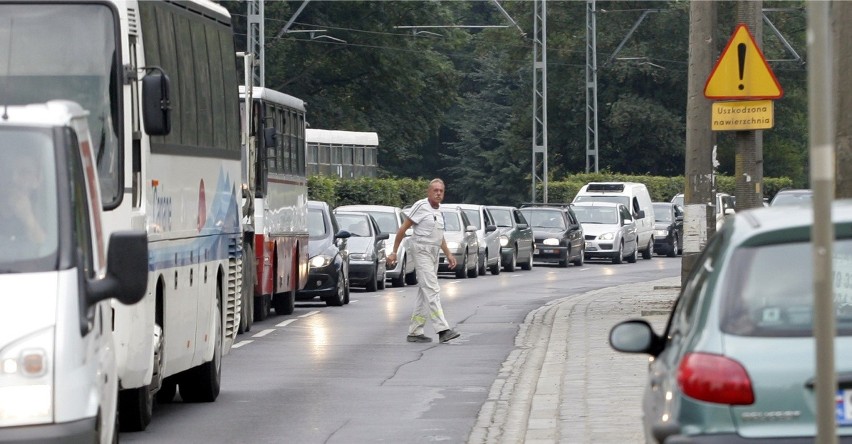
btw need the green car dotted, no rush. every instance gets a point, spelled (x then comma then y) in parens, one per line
(516, 238)
(736, 363)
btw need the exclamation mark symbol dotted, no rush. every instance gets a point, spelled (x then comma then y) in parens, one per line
(741, 52)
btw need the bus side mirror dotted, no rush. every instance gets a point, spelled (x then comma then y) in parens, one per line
(269, 137)
(156, 105)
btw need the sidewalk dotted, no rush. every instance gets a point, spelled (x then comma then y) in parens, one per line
(563, 383)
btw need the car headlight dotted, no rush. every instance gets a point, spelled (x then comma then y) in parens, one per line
(551, 241)
(661, 233)
(606, 236)
(360, 256)
(320, 261)
(26, 376)
(504, 240)
(453, 245)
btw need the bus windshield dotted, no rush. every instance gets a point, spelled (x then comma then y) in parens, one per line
(68, 52)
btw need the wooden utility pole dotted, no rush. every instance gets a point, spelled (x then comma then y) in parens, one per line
(748, 160)
(698, 190)
(841, 15)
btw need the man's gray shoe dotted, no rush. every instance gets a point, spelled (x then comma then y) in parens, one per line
(447, 335)
(418, 338)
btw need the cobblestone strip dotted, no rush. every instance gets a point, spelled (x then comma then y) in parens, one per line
(563, 383)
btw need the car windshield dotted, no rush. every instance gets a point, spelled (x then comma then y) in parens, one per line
(614, 199)
(791, 198)
(503, 218)
(355, 224)
(316, 223)
(473, 218)
(596, 215)
(29, 229)
(767, 294)
(452, 221)
(662, 213)
(544, 218)
(388, 223)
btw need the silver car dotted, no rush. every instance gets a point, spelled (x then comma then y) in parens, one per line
(487, 234)
(390, 219)
(461, 240)
(609, 229)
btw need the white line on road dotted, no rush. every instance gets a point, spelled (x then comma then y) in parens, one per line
(242, 343)
(263, 333)
(353, 301)
(286, 323)
(310, 313)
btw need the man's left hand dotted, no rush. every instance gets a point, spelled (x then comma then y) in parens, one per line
(451, 260)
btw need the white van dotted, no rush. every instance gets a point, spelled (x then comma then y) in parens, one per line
(634, 196)
(58, 380)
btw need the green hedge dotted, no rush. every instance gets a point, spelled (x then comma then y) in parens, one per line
(403, 191)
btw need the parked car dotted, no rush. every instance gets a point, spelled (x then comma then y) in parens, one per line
(558, 235)
(791, 196)
(724, 206)
(487, 234)
(668, 231)
(635, 197)
(516, 238)
(461, 240)
(390, 219)
(736, 360)
(366, 248)
(328, 275)
(610, 231)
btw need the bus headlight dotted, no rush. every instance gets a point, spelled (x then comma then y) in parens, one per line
(26, 381)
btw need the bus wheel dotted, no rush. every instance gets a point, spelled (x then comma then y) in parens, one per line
(202, 383)
(284, 303)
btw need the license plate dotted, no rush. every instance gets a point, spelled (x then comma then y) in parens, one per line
(844, 407)
(548, 250)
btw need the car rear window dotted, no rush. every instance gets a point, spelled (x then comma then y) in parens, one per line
(768, 290)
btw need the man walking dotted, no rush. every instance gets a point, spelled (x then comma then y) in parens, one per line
(428, 222)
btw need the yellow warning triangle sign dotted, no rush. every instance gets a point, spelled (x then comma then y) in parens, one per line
(742, 72)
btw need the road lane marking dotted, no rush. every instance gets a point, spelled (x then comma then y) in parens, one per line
(353, 301)
(310, 313)
(263, 333)
(286, 323)
(242, 343)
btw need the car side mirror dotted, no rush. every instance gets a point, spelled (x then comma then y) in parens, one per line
(523, 226)
(634, 336)
(626, 222)
(730, 211)
(490, 228)
(679, 218)
(126, 277)
(383, 236)
(343, 234)
(470, 228)
(639, 214)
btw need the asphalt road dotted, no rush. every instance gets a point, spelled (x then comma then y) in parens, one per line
(346, 374)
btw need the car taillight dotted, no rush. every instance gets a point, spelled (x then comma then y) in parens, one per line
(714, 378)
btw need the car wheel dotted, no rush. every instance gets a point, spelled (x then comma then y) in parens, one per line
(650, 250)
(382, 284)
(373, 283)
(345, 291)
(474, 272)
(284, 303)
(580, 258)
(513, 261)
(495, 269)
(619, 256)
(411, 278)
(399, 281)
(633, 256)
(563, 261)
(529, 263)
(482, 260)
(339, 297)
(461, 269)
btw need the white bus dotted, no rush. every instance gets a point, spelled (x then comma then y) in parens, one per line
(168, 161)
(280, 198)
(345, 154)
